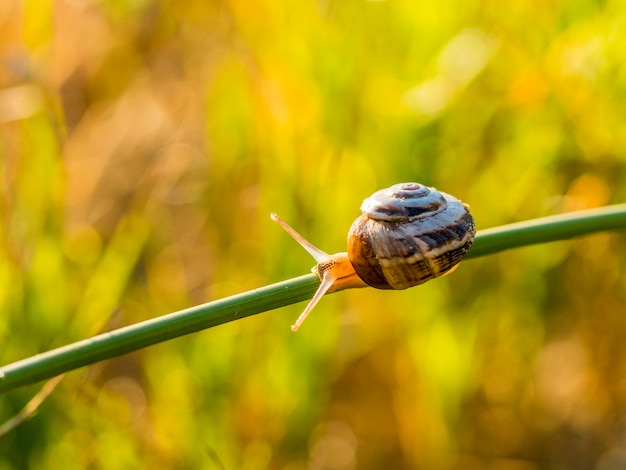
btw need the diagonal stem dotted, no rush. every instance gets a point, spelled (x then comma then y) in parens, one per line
(140, 335)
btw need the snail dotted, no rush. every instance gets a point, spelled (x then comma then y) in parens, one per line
(407, 234)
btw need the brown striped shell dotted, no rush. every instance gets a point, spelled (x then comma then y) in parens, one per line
(407, 235)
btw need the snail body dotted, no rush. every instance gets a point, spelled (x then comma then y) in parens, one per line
(406, 235)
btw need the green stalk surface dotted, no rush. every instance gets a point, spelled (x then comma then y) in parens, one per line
(140, 335)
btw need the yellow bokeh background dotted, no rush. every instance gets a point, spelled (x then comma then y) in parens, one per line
(143, 145)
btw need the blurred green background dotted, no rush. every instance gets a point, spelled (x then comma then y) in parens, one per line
(143, 145)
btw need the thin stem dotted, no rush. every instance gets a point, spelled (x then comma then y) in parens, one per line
(548, 229)
(131, 338)
(156, 330)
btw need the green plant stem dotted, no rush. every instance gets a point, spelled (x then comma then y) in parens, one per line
(131, 338)
(548, 229)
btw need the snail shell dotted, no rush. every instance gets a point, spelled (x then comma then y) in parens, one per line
(407, 234)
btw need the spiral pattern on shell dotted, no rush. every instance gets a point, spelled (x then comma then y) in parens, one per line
(407, 235)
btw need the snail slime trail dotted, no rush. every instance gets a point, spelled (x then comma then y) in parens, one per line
(406, 235)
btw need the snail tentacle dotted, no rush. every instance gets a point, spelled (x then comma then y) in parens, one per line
(314, 251)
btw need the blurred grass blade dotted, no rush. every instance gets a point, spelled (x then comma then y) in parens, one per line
(140, 335)
(31, 407)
